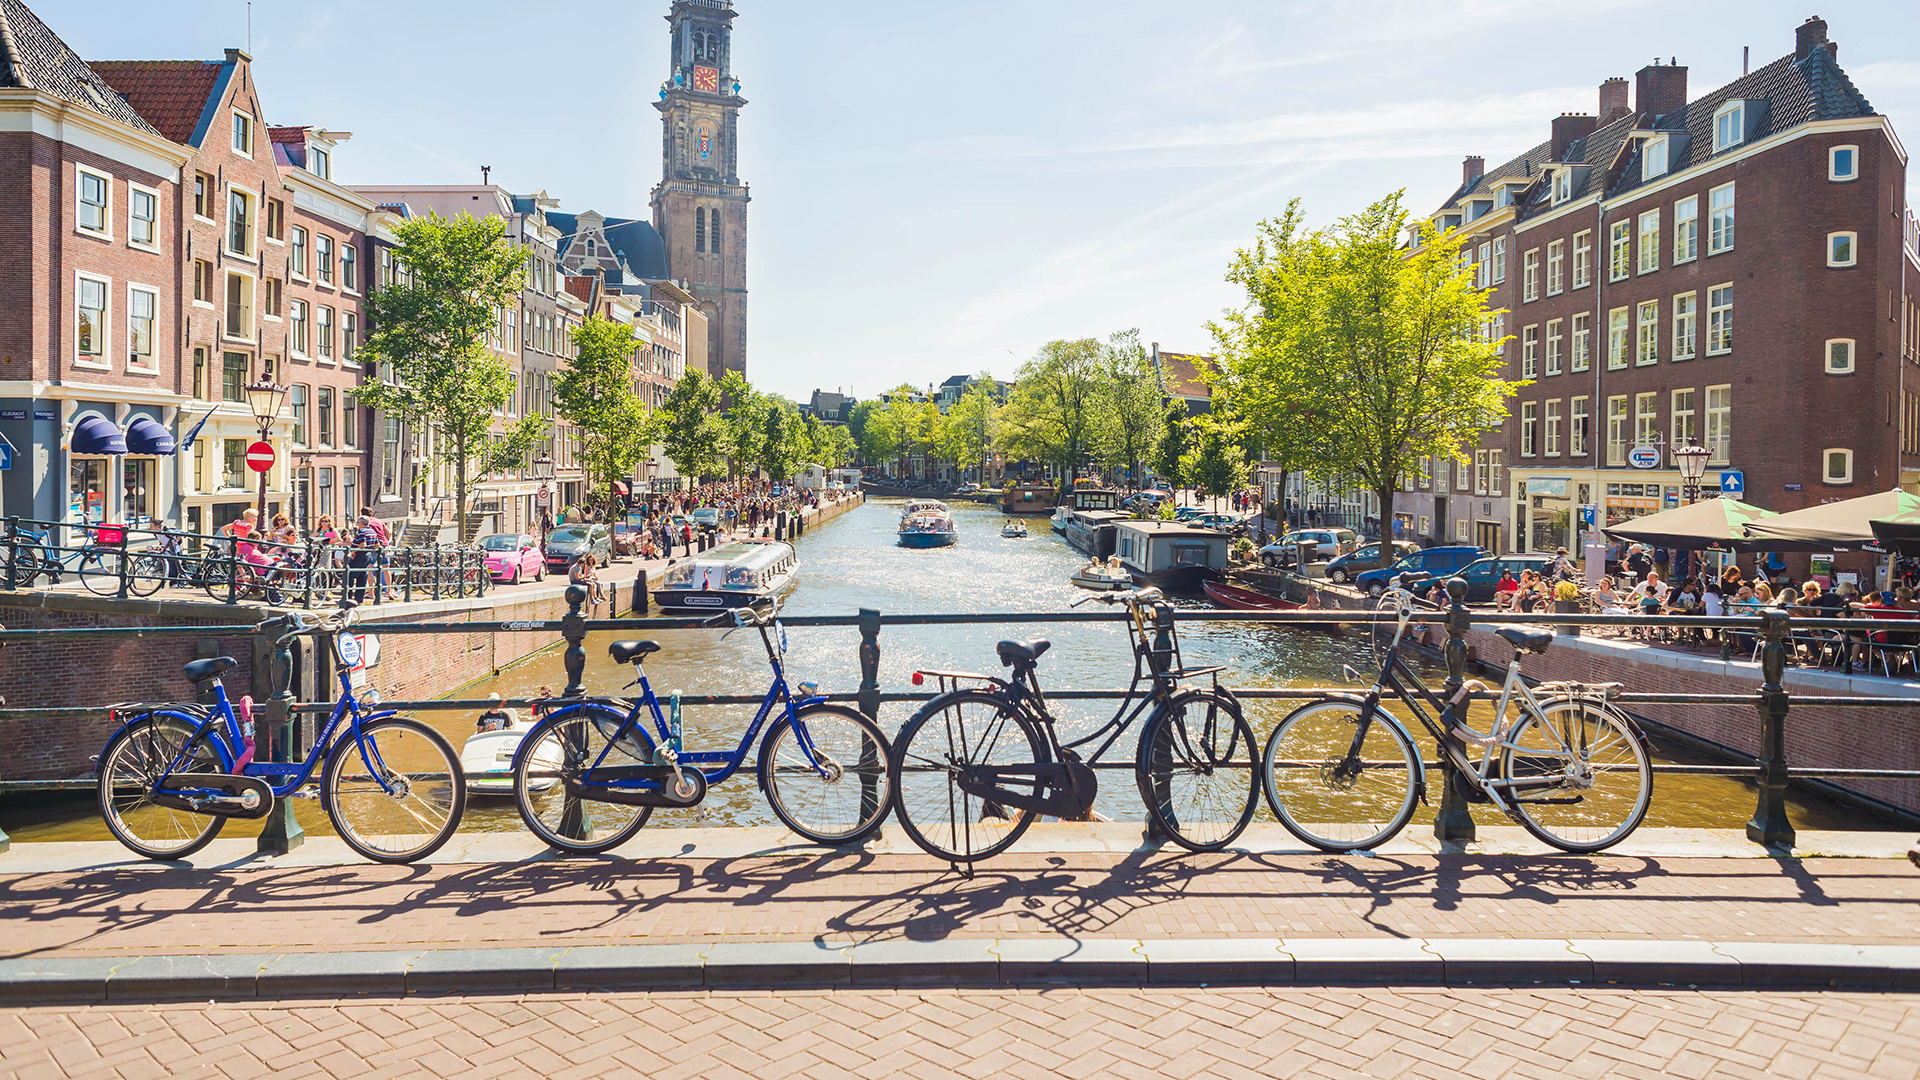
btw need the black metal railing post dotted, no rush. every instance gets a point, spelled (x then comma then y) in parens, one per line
(436, 570)
(869, 706)
(1770, 825)
(1452, 821)
(233, 572)
(13, 550)
(407, 569)
(641, 598)
(573, 627)
(274, 725)
(313, 567)
(126, 568)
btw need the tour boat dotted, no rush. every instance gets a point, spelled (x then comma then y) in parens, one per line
(493, 752)
(928, 529)
(1014, 530)
(1103, 576)
(740, 574)
(1173, 555)
(923, 506)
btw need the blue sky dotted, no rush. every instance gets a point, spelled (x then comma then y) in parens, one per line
(940, 187)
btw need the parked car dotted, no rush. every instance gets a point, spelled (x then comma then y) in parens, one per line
(707, 517)
(1342, 569)
(967, 488)
(1216, 521)
(1188, 513)
(512, 556)
(1433, 562)
(1483, 576)
(569, 542)
(1328, 544)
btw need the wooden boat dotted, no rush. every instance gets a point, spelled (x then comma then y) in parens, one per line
(1175, 556)
(1087, 499)
(1236, 598)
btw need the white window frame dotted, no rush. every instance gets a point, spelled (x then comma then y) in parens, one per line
(1562, 185)
(1529, 428)
(304, 245)
(1648, 259)
(213, 194)
(1554, 341)
(323, 324)
(1577, 416)
(1552, 421)
(1680, 434)
(1826, 356)
(1580, 344)
(1826, 466)
(253, 307)
(1727, 136)
(105, 231)
(1720, 327)
(1646, 418)
(327, 278)
(1556, 267)
(1653, 151)
(1833, 164)
(1618, 428)
(1619, 337)
(1619, 250)
(253, 227)
(1718, 428)
(1530, 275)
(1530, 352)
(1686, 229)
(251, 127)
(348, 255)
(104, 361)
(1499, 254)
(1852, 240)
(299, 327)
(349, 338)
(1719, 238)
(1686, 326)
(151, 193)
(1583, 258)
(1646, 333)
(1483, 266)
(152, 366)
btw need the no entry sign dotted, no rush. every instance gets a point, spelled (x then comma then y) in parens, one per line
(260, 456)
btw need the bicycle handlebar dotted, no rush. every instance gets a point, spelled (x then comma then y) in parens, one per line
(1130, 597)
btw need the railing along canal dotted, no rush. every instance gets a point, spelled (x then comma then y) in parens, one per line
(1773, 629)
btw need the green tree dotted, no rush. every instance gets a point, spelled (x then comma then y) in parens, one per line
(691, 431)
(879, 431)
(1135, 416)
(783, 440)
(966, 434)
(834, 446)
(1174, 444)
(857, 419)
(429, 344)
(743, 423)
(1058, 406)
(1217, 465)
(594, 391)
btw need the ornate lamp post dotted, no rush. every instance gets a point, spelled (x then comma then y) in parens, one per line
(264, 398)
(1692, 459)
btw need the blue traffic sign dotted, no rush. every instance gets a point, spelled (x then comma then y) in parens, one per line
(6, 457)
(1733, 482)
(1587, 515)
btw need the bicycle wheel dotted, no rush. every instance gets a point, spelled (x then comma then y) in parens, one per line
(135, 761)
(402, 799)
(215, 572)
(1195, 769)
(558, 751)
(1330, 797)
(951, 733)
(1577, 774)
(149, 573)
(826, 774)
(99, 571)
(25, 569)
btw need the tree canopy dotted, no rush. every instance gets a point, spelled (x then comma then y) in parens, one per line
(594, 392)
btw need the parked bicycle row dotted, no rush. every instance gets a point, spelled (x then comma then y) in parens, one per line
(966, 775)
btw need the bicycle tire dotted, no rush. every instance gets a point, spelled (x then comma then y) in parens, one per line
(26, 569)
(214, 573)
(99, 571)
(416, 789)
(149, 573)
(944, 821)
(135, 759)
(566, 742)
(1213, 806)
(1330, 808)
(855, 792)
(1607, 811)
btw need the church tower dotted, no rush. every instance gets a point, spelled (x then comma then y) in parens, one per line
(700, 205)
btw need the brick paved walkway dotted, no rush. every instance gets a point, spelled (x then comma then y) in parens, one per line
(127, 911)
(1038, 1033)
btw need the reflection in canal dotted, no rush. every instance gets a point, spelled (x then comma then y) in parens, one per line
(855, 561)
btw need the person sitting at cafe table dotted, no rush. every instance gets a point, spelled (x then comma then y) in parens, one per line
(496, 717)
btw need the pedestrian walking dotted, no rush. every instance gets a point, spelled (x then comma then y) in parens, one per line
(365, 542)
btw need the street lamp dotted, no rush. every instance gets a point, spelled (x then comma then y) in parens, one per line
(264, 398)
(1692, 459)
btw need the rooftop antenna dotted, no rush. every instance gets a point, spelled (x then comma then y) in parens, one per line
(485, 172)
(249, 26)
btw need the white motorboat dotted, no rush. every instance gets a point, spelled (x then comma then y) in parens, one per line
(1014, 530)
(493, 752)
(1103, 576)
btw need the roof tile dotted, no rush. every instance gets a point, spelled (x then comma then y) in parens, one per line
(171, 94)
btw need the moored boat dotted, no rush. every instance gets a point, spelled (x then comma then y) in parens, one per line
(493, 752)
(739, 574)
(928, 529)
(1091, 531)
(1173, 555)
(1086, 499)
(1027, 499)
(1239, 599)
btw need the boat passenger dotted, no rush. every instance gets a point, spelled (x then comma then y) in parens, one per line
(496, 718)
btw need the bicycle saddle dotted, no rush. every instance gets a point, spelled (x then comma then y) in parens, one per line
(1523, 637)
(202, 670)
(625, 652)
(1022, 652)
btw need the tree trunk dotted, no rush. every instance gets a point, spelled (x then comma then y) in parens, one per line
(1385, 495)
(460, 494)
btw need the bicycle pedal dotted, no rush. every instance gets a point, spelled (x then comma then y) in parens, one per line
(311, 791)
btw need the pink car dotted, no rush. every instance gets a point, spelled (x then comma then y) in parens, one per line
(512, 557)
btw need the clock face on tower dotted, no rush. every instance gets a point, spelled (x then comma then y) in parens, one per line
(707, 79)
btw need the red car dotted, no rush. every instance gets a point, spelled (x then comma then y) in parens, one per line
(512, 557)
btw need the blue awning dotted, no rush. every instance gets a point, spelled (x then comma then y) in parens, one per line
(146, 436)
(97, 435)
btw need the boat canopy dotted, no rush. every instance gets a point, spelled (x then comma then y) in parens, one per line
(740, 565)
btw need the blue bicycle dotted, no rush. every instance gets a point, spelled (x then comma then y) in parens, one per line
(172, 775)
(590, 773)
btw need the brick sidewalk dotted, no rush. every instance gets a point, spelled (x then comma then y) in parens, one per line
(142, 910)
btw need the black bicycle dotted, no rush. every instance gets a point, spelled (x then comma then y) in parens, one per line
(975, 766)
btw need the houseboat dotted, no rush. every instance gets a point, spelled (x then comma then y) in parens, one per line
(1174, 555)
(739, 574)
(1086, 499)
(1027, 499)
(928, 529)
(1091, 531)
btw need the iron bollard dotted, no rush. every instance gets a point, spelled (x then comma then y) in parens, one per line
(1452, 822)
(436, 569)
(313, 567)
(869, 704)
(13, 551)
(233, 572)
(640, 594)
(573, 627)
(1770, 825)
(274, 724)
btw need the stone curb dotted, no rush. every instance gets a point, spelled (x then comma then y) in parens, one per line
(968, 962)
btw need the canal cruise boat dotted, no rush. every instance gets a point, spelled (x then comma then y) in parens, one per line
(928, 528)
(1173, 555)
(739, 574)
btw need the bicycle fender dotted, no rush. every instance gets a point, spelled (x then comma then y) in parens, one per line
(189, 714)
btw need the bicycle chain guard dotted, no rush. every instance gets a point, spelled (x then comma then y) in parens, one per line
(219, 796)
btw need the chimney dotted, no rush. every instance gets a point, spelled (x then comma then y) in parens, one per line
(1811, 35)
(1613, 100)
(1661, 89)
(1569, 128)
(1472, 168)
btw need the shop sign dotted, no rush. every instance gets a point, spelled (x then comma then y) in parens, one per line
(1547, 485)
(1644, 457)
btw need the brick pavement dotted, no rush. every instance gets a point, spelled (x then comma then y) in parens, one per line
(146, 909)
(842, 1034)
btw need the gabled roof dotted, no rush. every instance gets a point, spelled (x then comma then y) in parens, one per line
(175, 96)
(1180, 375)
(32, 57)
(636, 243)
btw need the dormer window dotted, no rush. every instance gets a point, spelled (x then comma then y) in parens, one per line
(1653, 158)
(1562, 185)
(1729, 125)
(320, 163)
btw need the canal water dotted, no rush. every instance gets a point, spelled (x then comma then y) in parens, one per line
(854, 561)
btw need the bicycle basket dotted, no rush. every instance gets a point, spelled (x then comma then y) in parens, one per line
(108, 534)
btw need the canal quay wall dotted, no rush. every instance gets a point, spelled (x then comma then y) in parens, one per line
(88, 674)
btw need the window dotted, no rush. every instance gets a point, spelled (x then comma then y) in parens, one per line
(1582, 258)
(95, 195)
(1720, 219)
(1843, 163)
(1530, 352)
(349, 488)
(1582, 342)
(1553, 428)
(1720, 319)
(143, 308)
(297, 326)
(1553, 347)
(1499, 251)
(1649, 241)
(1838, 468)
(240, 222)
(1577, 428)
(1619, 338)
(1647, 333)
(239, 321)
(1620, 251)
(1496, 471)
(276, 219)
(1840, 248)
(1562, 186)
(297, 397)
(143, 216)
(1556, 261)
(1840, 356)
(323, 412)
(1686, 229)
(713, 231)
(297, 254)
(1653, 158)
(233, 473)
(323, 257)
(323, 329)
(203, 196)
(201, 387)
(390, 458)
(1483, 267)
(699, 231)
(1719, 424)
(233, 376)
(1684, 432)
(1729, 125)
(349, 335)
(1646, 419)
(1617, 430)
(203, 281)
(1480, 464)
(92, 332)
(243, 134)
(320, 162)
(1685, 318)
(1530, 275)
(270, 302)
(1529, 427)
(349, 423)
(349, 266)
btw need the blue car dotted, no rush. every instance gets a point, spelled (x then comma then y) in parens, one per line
(1433, 562)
